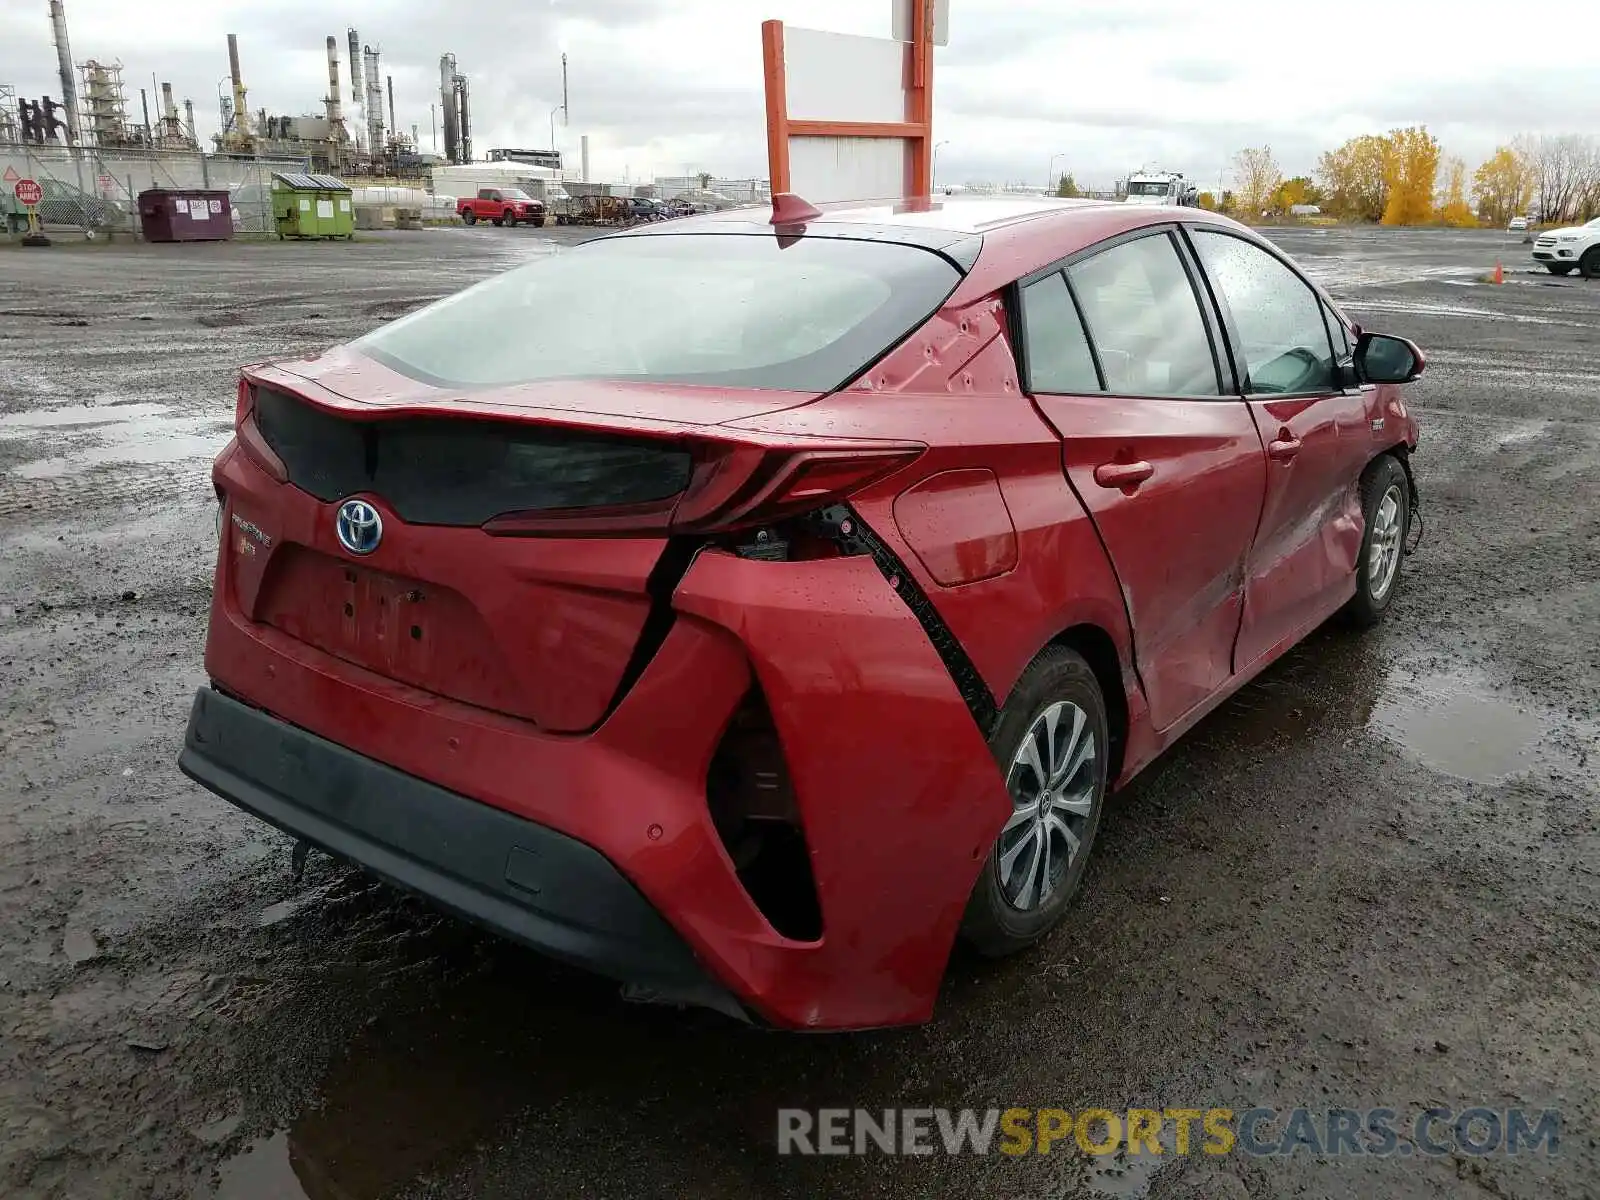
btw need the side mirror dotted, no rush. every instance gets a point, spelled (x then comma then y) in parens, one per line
(1380, 358)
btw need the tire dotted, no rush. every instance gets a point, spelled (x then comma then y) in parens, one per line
(1559, 268)
(1382, 540)
(1589, 264)
(497, 220)
(1057, 695)
(470, 217)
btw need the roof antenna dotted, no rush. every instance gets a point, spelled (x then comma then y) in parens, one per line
(790, 209)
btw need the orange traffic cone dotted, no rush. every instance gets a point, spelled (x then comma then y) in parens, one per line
(1499, 275)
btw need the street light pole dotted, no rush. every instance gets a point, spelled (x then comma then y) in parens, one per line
(1051, 169)
(933, 171)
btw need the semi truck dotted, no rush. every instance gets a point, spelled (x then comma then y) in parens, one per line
(1161, 187)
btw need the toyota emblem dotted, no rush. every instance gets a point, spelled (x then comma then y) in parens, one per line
(359, 527)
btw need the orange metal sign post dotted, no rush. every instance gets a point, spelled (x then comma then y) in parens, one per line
(916, 130)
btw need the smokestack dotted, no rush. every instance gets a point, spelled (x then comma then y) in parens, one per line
(188, 112)
(394, 126)
(357, 95)
(69, 88)
(566, 114)
(335, 110)
(144, 105)
(466, 118)
(584, 155)
(447, 108)
(374, 105)
(241, 113)
(169, 110)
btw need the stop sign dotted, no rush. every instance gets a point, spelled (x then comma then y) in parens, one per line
(28, 192)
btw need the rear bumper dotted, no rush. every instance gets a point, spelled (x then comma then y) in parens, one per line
(895, 787)
(519, 879)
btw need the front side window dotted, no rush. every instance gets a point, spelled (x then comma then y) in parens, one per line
(1279, 320)
(1053, 342)
(1145, 320)
(1338, 333)
(727, 310)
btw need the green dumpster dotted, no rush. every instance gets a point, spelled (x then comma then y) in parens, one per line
(312, 206)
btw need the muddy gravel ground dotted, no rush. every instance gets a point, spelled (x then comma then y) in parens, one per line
(1369, 880)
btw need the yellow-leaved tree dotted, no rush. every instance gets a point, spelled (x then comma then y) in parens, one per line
(1411, 169)
(1453, 207)
(1503, 186)
(1354, 178)
(1256, 177)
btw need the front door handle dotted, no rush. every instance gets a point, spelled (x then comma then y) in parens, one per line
(1122, 475)
(1285, 448)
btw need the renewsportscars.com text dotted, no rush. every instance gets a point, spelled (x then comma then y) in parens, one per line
(1259, 1132)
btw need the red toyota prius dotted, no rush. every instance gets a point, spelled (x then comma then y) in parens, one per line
(747, 607)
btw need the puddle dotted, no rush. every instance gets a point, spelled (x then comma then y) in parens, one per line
(261, 1172)
(76, 414)
(1424, 308)
(1457, 725)
(134, 434)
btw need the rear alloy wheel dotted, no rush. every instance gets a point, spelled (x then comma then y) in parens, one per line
(1052, 744)
(1386, 507)
(1589, 264)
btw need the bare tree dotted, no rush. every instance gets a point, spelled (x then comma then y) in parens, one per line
(1257, 178)
(1565, 170)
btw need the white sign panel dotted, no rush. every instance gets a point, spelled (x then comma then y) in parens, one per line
(902, 21)
(216, 207)
(826, 169)
(181, 206)
(325, 209)
(842, 77)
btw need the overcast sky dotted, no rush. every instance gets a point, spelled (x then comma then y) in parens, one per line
(665, 86)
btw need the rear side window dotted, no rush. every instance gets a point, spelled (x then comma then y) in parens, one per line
(1145, 320)
(1279, 320)
(732, 310)
(1053, 341)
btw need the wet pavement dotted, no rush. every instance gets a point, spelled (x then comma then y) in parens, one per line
(1371, 879)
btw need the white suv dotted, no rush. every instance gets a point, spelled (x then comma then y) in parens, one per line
(1560, 250)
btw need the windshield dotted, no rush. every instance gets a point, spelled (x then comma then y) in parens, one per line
(731, 310)
(1136, 188)
(515, 194)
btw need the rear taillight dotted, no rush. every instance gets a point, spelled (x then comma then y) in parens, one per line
(249, 432)
(731, 488)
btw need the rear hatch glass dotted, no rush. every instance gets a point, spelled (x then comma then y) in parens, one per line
(728, 310)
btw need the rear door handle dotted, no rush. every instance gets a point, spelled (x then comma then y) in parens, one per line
(1284, 448)
(1122, 475)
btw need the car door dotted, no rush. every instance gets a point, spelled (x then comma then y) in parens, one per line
(1119, 355)
(1315, 431)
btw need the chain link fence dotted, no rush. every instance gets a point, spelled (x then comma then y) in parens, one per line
(96, 190)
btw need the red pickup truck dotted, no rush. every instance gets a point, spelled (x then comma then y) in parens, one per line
(503, 206)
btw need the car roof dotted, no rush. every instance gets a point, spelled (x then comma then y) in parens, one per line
(947, 214)
(994, 239)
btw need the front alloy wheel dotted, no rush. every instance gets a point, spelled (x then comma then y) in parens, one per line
(1386, 509)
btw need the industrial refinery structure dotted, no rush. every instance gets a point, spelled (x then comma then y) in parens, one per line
(94, 111)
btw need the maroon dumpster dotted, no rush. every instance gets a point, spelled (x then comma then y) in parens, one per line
(185, 215)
